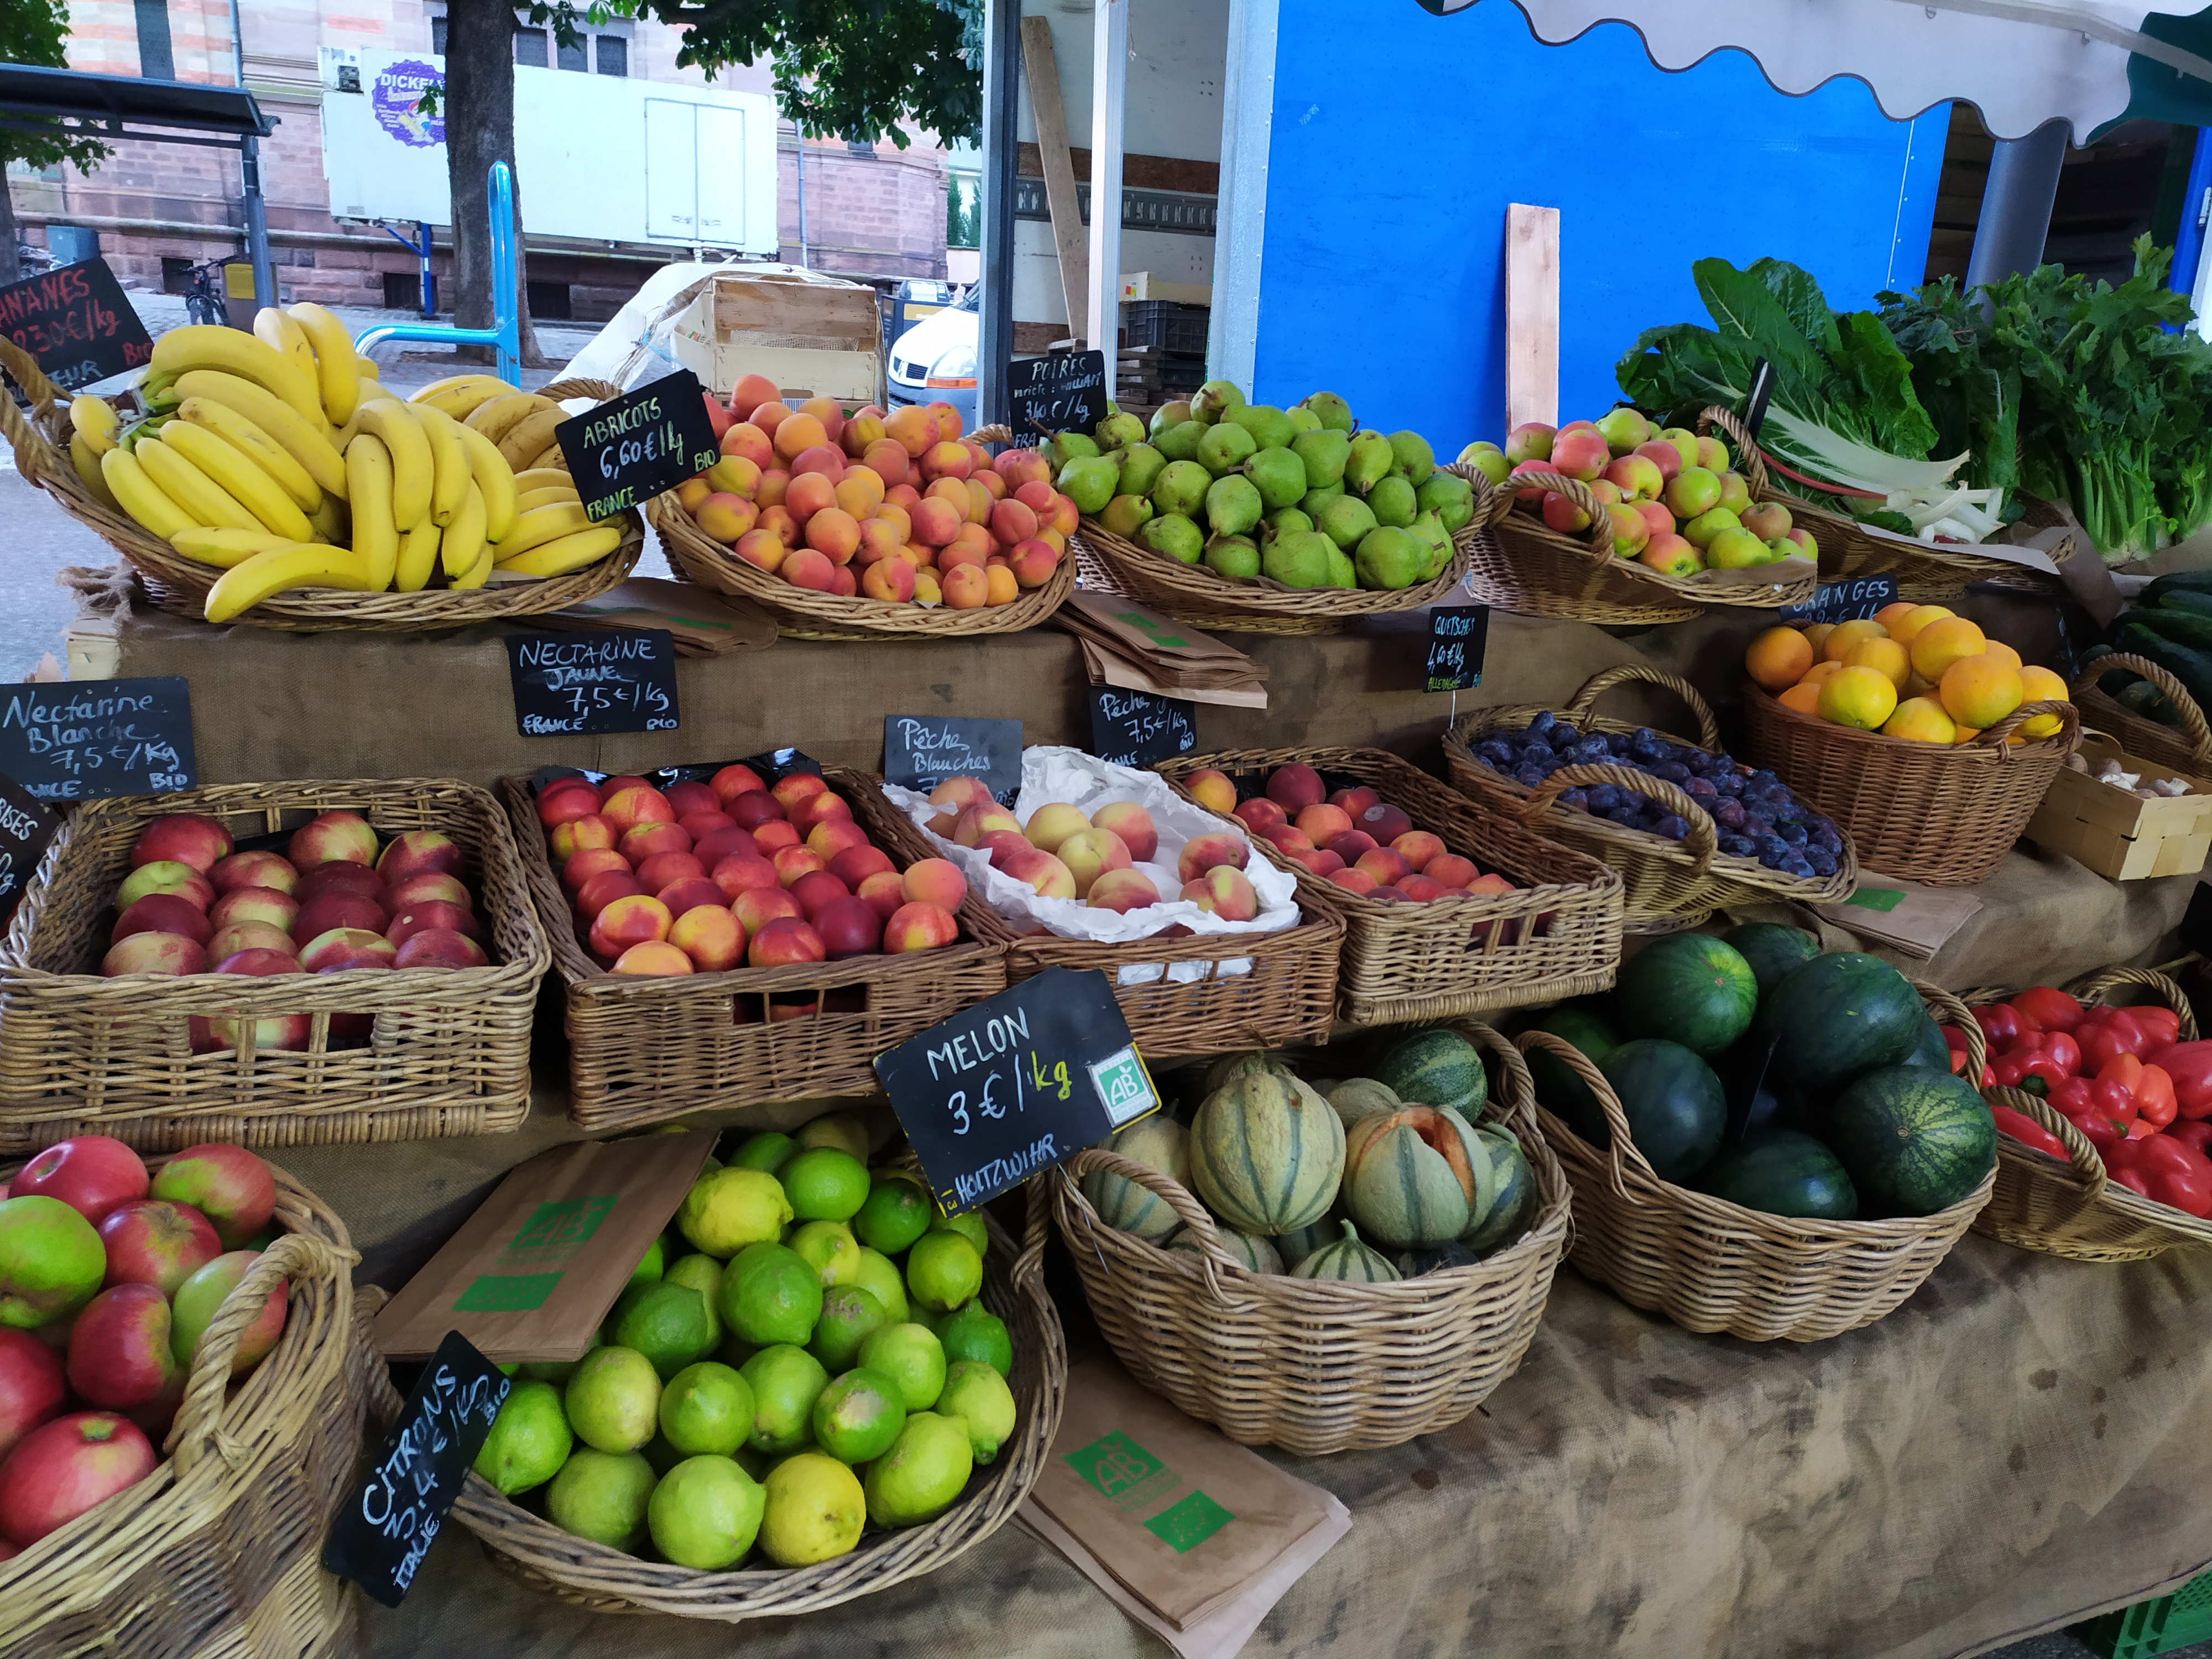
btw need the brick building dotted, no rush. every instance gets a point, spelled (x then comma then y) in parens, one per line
(869, 210)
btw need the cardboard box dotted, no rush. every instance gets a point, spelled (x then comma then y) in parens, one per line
(806, 331)
(2118, 833)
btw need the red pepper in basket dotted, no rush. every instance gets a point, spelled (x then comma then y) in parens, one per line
(2174, 1175)
(2051, 1008)
(2054, 1060)
(2194, 1136)
(2001, 1025)
(2153, 1092)
(2026, 1131)
(2190, 1066)
(2159, 1025)
(2105, 1032)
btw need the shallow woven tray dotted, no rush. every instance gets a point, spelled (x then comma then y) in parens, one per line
(217, 1551)
(642, 1049)
(2075, 1209)
(1945, 814)
(1316, 1366)
(81, 1054)
(1557, 936)
(1667, 885)
(2186, 747)
(1713, 1266)
(180, 586)
(605, 1580)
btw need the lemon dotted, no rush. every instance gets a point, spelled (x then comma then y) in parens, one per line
(921, 1474)
(707, 1407)
(706, 1513)
(978, 1397)
(850, 1316)
(614, 1400)
(943, 1270)
(974, 1332)
(814, 1512)
(825, 1184)
(839, 1129)
(968, 1224)
(670, 1324)
(769, 1294)
(727, 1211)
(767, 1151)
(896, 1214)
(702, 1274)
(879, 1276)
(859, 1416)
(786, 1383)
(830, 1246)
(602, 1496)
(912, 1357)
(529, 1440)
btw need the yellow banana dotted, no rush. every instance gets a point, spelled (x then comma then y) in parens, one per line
(530, 435)
(305, 441)
(332, 522)
(228, 350)
(258, 447)
(413, 471)
(332, 348)
(226, 548)
(495, 478)
(566, 553)
(550, 459)
(449, 461)
(305, 564)
(539, 526)
(548, 497)
(245, 482)
(461, 395)
(477, 574)
(418, 557)
(140, 497)
(86, 460)
(283, 336)
(464, 545)
(544, 477)
(369, 484)
(367, 367)
(204, 500)
(94, 420)
(495, 417)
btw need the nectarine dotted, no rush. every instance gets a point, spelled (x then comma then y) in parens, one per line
(816, 890)
(1052, 823)
(757, 906)
(792, 862)
(710, 936)
(647, 840)
(580, 834)
(733, 781)
(580, 867)
(1203, 852)
(743, 872)
(1294, 787)
(1213, 790)
(664, 868)
(784, 941)
(1223, 892)
(922, 926)
(1089, 854)
(603, 889)
(1122, 891)
(653, 958)
(882, 891)
(1133, 824)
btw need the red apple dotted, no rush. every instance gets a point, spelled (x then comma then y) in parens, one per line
(183, 837)
(118, 1353)
(258, 869)
(442, 947)
(333, 837)
(163, 913)
(165, 876)
(327, 910)
(155, 953)
(64, 1468)
(421, 889)
(153, 1242)
(265, 904)
(33, 1386)
(279, 1032)
(346, 947)
(200, 1296)
(340, 876)
(91, 1174)
(228, 1185)
(420, 852)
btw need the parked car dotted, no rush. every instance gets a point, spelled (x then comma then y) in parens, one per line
(934, 362)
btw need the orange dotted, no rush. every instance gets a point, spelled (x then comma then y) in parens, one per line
(1779, 658)
(1889, 614)
(1905, 627)
(1861, 697)
(1920, 720)
(1847, 634)
(1819, 672)
(1942, 642)
(1817, 637)
(1999, 648)
(1979, 690)
(2041, 685)
(1804, 697)
(1886, 657)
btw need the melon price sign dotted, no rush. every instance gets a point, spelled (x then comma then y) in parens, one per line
(623, 453)
(1853, 600)
(1066, 392)
(1458, 636)
(1019, 1083)
(623, 680)
(1135, 728)
(76, 322)
(88, 739)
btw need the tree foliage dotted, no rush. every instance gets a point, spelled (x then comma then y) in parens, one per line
(35, 32)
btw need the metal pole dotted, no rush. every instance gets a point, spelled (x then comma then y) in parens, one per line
(800, 156)
(257, 222)
(2016, 202)
(994, 342)
(1109, 78)
(505, 336)
(429, 285)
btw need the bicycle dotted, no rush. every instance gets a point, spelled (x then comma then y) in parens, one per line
(206, 298)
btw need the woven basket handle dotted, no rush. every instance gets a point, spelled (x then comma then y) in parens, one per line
(1709, 731)
(603, 391)
(1212, 1257)
(198, 1430)
(2192, 718)
(1600, 533)
(1490, 503)
(2069, 733)
(1748, 460)
(997, 433)
(1513, 1102)
(1702, 842)
(2079, 1153)
(33, 452)
(1623, 1146)
(1948, 1009)
(2095, 986)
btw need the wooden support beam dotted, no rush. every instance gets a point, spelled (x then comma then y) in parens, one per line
(1532, 315)
(1060, 195)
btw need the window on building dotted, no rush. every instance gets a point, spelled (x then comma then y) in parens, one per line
(157, 60)
(963, 210)
(529, 48)
(438, 34)
(574, 56)
(613, 54)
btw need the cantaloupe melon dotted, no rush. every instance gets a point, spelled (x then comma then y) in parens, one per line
(1157, 1142)
(1265, 1151)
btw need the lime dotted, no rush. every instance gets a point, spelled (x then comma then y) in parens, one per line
(943, 1270)
(727, 1211)
(878, 1276)
(662, 1456)
(614, 1400)
(850, 1316)
(974, 1332)
(824, 1183)
(529, 1439)
(704, 1275)
(830, 1246)
(555, 1370)
(707, 1407)
(923, 1472)
(896, 1214)
(508, 1370)
(968, 1224)
(859, 1416)
(786, 1383)
(814, 1512)
(911, 1357)
(648, 1266)
(767, 1151)
(671, 1325)
(839, 1129)
(978, 1396)
(705, 1512)
(769, 1294)
(602, 1496)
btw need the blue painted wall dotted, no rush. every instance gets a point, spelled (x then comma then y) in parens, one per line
(1399, 138)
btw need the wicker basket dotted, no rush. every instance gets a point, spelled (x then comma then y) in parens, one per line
(1557, 935)
(609, 1581)
(216, 1553)
(1202, 994)
(2186, 747)
(1314, 1365)
(643, 1050)
(2074, 1209)
(180, 584)
(1713, 1266)
(1667, 885)
(81, 1054)
(1558, 584)
(1945, 814)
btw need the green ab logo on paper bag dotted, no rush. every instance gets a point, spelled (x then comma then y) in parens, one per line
(556, 1231)
(1132, 1478)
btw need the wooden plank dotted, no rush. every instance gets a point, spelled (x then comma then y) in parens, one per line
(1532, 315)
(1137, 171)
(745, 306)
(1042, 70)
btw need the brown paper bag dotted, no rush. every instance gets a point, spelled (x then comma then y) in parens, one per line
(531, 1274)
(1903, 914)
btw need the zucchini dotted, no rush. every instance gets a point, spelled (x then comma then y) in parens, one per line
(2192, 668)
(2186, 601)
(2184, 628)
(2181, 581)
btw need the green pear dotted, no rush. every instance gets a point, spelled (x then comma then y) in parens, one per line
(1393, 502)
(1089, 482)
(1317, 499)
(1429, 530)
(1067, 446)
(1270, 428)
(1233, 557)
(1341, 573)
(1368, 460)
(1119, 432)
(1298, 561)
(1334, 413)
(1232, 505)
(1124, 515)
(1170, 415)
(1214, 399)
(1180, 443)
(1346, 521)
(1323, 453)
(1175, 535)
(1180, 487)
(1411, 457)
(1390, 559)
(1141, 466)
(1280, 476)
(1302, 419)
(1450, 497)
(1487, 459)
(1286, 521)
(1224, 447)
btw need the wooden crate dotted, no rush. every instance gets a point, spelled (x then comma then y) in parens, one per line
(2118, 833)
(802, 330)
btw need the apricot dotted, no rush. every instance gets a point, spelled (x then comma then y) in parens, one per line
(762, 548)
(1037, 495)
(771, 414)
(1021, 466)
(912, 428)
(1012, 522)
(999, 587)
(965, 588)
(859, 492)
(834, 533)
(936, 522)
(692, 491)
(863, 431)
(902, 495)
(825, 459)
(781, 521)
(805, 567)
(890, 580)
(946, 460)
(774, 483)
(736, 474)
(747, 442)
(750, 391)
(947, 419)
(896, 516)
(1133, 824)
(1033, 562)
(842, 582)
(810, 494)
(796, 432)
(979, 503)
(889, 461)
(926, 590)
(984, 479)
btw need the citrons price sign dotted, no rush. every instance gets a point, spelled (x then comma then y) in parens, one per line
(1019, 1083)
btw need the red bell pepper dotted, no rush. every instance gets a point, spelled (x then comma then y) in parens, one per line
(2190, 1066)
(2174, 1175)
(2194, 1136)
(2051, 1009)
(2161, 1025)
(2026, 1131)
(2001, 1025)
(2105, 1032)
(2038, 1063)
(2133, 1180)
(2154, 1100)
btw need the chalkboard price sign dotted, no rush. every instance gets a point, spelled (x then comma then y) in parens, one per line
(623, 453)
(1458, 636)
(76, 323)
(87, 739)
(922, 751)
(392, 1515)
(1845, 601)
(1066, 392)
(1135, 728)
(26, 826)
(1015, 1084)
(567, 685)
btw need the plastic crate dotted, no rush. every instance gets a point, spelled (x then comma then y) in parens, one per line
(2159, 1626)
(1167, 323)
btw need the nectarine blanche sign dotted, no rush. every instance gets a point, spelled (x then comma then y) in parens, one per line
(88, 739)
(571, 684)
(623, 453)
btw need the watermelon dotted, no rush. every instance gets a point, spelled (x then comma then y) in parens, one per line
(1914, 1141)
(1411, 1264)
(1349, 1260)
(1563, 1093)
(1782, 1173)
(1157, 1142)
(1690, 989)
(1257, 1253)
(1355, 1098)
(1841, 1015)
(1774, 951)
(1515, 1206)
(1267, 1152)
(1674, 1105)
(1931, 1051)
(1416, 1176)
(1435, 1066)
(1296, 1247)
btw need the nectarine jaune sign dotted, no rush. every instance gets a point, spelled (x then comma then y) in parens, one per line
(569, 685)
(623, 453)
